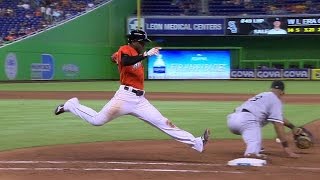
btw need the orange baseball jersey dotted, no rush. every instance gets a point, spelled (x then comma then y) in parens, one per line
(130, 75)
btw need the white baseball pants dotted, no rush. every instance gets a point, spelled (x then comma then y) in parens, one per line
(125, 102)
(245, 124)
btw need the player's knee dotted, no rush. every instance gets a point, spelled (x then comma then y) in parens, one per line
(97, 122)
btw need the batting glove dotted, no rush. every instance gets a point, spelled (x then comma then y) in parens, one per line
(151, 52)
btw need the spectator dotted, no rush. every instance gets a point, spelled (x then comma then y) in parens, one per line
(189, 7)
(48, 14)
(1, 40)
(37, 12)
(11, 36)
(2, 12)
(176, 2)
(9, 12)
(298, 8)
(43, 10)
(28, 31)
(43, 24)
(35, 4)
(66, 4)
(90, 5)
(56, 14)
(22, 31)
(25, 6)
(29, 16)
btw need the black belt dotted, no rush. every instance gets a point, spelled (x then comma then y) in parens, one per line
(137, 92)
(245, 110)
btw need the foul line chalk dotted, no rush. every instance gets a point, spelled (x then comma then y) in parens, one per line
(117, 169)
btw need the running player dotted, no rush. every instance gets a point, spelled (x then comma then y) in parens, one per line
(129, 98)
(249, 118)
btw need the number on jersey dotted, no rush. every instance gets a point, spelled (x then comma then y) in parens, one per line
(255, 98)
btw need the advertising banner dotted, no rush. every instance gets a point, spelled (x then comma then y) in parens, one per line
(46, 66)
(43, 70)
(272, 73)
(296, 73)
(229, 26)
(315, 74)
(177, 26)
(242, 73)
(189, 64)
(268, 73)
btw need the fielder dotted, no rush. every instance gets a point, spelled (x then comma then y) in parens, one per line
(129, 98)
(249, 118)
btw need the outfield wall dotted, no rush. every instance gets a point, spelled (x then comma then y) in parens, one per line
(79, 49)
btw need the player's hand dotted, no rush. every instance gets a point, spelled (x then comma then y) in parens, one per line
(114, 57)
(153, 51)
(290, 153)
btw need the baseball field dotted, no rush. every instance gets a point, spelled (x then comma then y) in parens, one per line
(36, 144)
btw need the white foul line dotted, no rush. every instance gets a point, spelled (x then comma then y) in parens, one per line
(117, 169)
(109, 162)
(129, 163)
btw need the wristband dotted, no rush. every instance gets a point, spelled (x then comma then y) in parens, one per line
(285, 144)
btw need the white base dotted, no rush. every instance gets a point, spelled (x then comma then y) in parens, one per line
(247, 162)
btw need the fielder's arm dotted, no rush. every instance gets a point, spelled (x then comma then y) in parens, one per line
(279, 128)
(294, 129)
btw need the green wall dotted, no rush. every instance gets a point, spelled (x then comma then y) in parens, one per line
(86, 42)
(81, 49)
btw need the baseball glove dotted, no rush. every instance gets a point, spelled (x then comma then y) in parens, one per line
(304, 139)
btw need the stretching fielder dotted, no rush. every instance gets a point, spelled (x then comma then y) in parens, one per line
(249, 118)
(129, 98)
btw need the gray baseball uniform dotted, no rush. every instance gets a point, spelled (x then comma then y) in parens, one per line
(252, 115)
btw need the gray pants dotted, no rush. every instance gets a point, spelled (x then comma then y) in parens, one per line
(245, 124)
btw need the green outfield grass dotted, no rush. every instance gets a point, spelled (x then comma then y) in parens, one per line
(29, 123)
(200, 86)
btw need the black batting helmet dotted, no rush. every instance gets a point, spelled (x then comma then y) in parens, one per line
(277, 84)
(138, 35)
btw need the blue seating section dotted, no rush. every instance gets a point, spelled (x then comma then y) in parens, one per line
(164, 7)
(227, 8)
(19, 21)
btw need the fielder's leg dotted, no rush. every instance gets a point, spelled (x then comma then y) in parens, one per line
(244, 123)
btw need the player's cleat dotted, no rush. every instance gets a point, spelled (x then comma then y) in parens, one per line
(205, 137)
(262, 150)
(257, 156)
(59, 109)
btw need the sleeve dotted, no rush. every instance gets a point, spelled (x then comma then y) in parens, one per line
(125, 57)
(275, 111)
(127, 60)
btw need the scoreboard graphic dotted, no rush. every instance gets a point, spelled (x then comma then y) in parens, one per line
(273, 26)
(256, 26)
(303, 25)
